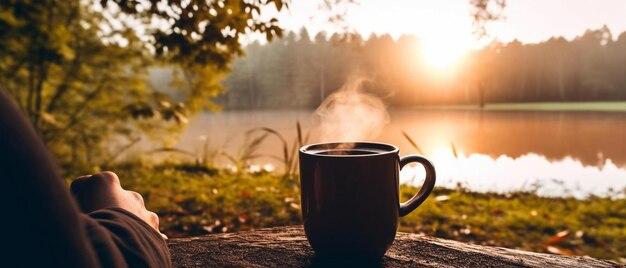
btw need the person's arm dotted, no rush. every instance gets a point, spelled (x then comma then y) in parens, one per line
(41, 224)
(118, 217)
(117, 234)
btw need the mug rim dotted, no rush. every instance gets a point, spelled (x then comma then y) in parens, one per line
(391, 149)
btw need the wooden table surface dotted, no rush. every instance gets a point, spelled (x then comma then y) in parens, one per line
(288, 247)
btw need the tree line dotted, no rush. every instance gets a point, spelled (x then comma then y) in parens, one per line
(298, 71)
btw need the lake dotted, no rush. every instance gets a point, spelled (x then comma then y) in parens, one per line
(558, 153)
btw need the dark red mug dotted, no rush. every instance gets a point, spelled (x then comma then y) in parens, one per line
(350, 196)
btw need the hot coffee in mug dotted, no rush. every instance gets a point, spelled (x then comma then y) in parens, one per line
(350, 196)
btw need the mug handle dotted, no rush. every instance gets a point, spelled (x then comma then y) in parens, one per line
(429, 183)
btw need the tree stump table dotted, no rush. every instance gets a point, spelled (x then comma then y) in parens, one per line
(288, 247)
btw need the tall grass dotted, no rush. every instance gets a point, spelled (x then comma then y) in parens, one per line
(413, 143)
(249, 150)
(419, 150)
(289, 156)
(205, 157)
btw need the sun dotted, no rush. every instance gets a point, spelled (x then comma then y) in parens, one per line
(442, 52)
(446, 40)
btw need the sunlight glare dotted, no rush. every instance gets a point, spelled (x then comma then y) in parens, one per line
(442, 52)
(445, 37)
(444, 156)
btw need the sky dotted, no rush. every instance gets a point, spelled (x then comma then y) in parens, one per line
(443, 21)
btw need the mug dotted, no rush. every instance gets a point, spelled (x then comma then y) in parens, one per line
(350, 196)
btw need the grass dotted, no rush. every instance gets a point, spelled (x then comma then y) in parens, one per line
(193, 200)
(613, 106)
(522, 220)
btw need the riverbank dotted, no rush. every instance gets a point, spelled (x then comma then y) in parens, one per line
(602, 106)
(193, 200)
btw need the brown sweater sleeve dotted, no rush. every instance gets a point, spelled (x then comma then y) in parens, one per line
(121, 239)
(41, 224)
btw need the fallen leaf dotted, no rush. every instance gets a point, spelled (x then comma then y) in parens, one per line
(243, 218)
(560, 251)
(557, 238)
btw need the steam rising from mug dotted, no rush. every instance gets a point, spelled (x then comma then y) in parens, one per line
(351, 114)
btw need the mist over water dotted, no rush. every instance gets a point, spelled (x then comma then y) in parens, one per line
(351, 114)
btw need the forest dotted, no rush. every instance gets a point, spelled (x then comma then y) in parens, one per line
(298, 71)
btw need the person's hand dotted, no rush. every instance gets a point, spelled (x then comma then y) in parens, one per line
(103, 190)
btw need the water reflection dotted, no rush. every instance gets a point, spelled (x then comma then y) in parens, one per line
(566, 152)
(590, 137)
(528, 172)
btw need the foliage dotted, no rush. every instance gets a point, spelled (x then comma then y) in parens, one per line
(197, 39)
(69, 81)
(485, 11)
(298, 72)
(199, 32)
(194, 200)
(79, 69)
